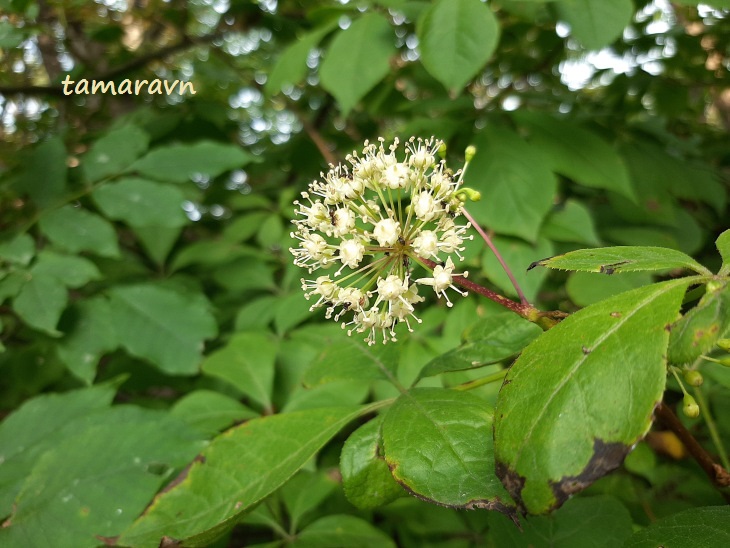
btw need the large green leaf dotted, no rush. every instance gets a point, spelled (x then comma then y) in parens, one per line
(305, 491)
(76, 229)
(693, 528)
(38, 425)
(90, 334)
(113, 152)
(493, 339)
(140, 202)
(585, 288)
(70, 270)
(163, 326)
(456, 39)
(234, 473)
(571, 222)
(43, 175)
(596, 23)
(516, 183)
(349, 358)
(581, 395)
(613, 260)
(338, 530)
(210, 412)
(518, 254)
(585, 522)
(247, 362)
(366, 478)
(19, 250)
(358, 59)
(723, 246)
(578, 153)
(697, 331)
(438, 445)
(291, 66)
(98, 478)
(40, 302)
(180, 163)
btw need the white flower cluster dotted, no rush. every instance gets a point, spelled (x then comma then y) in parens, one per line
(372, 221)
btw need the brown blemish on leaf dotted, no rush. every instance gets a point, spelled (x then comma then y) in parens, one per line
(611, 268)
(512, 481)
(586, 350)
(616, 314)
(541, 262)
(168, 542)
(606, 457)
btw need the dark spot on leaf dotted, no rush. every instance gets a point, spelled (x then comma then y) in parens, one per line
(606, 457)
(611, 268)
(668, 327)
(616, 314)
(541, 262)
(169, 542)
(586, 350)
(512, 481)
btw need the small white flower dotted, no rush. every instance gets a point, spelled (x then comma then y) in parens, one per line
(379, 217)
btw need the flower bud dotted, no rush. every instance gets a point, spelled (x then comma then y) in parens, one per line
(690, 407)
(466, 193)
(693, 378)
(723, 361)
(724, 344)
(469, 153)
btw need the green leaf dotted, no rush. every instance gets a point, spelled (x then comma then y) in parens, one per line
(163, 326)
(180, 163)
(516, 183)
(238, 470)
(70, 270)
(614, 260)
(157, 241)
(291, 66)
(518, 254)
(18, 250)
(578, 153)
(581, 395)
(40, 303)
(246, 362)
(351, 359)
(210, 412)
(113, 152)
(244, 274)
(333, 394)
(43, 176)
(456, 39)
(438, 445)
(76, 229)
(596, 23)
(304, 492)
(366, 478)
(337, 530)
(707, 526)
(699, 329)
(98, 478)
(38, 425)
(571, 222)
(723, 246)
(585, 522)
(491, 340)
(90, 334)
(357, 60)
(257, 314)
(585, 288)
(139, 202)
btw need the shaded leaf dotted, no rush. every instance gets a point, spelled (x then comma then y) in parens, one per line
(456, 39)
(516, 183)
(76, 229)
(357, 59)
(113, 152)
(585, 288)
(438, 445)
(70, 270)
(18, 250)
(40, 302)
(723, 246)
(596, 23)
(157, 241)
(304, 492)
(140, 202)
(210, 412)
(238, 470)
(613, 260)
(43, 175)
(163, 326)
(571, 222)
(708, 526)
(337, 530)
(519, 255)
(246, 362)
(181, 163)
(351, 359)
(366, 478)
(581, 395)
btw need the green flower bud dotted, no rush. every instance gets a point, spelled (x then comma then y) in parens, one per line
(690, 407)
(693, 378)
(724, 344)
(723, 361)
(471, 150)
(442, 150)
(714, 286)
(466, 193)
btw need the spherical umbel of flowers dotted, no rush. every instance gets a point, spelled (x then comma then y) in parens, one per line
(370, 224)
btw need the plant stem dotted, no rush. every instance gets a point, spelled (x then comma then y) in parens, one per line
(497, 254)
(717, 474)
(712, 427)
(470, 385)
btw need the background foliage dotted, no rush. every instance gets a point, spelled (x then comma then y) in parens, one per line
(148, 301)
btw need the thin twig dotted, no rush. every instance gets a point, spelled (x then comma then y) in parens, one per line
(717, 474)
(711, 426)
(494, 249)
